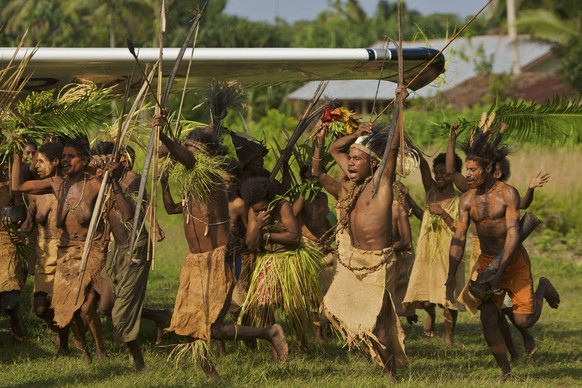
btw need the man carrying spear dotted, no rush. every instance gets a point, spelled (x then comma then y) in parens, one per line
(206, 281)
(366, 261)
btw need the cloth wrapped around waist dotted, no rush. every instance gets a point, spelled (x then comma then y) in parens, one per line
(360, 298)
(205, 282)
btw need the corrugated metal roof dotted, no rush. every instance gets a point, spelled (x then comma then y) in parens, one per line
(463, 57)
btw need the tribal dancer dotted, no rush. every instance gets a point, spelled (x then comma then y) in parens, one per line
(74, 292)
(431, 265)
(494, 208)
(206, 281)
(286, 271)
(366, 261)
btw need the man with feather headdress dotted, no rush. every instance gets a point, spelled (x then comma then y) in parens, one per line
(206, 280)
(494, 208)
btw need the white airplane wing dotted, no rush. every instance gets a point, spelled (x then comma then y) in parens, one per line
(55, 67)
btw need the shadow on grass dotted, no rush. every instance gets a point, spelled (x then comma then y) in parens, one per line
(82, 376)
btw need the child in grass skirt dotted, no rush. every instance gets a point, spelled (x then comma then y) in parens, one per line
(286, 271)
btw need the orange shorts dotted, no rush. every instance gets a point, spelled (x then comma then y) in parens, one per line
(516, 281)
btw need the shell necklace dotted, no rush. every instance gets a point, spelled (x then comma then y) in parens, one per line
(68, 206)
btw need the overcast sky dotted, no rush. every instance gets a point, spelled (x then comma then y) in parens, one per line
(293, 10)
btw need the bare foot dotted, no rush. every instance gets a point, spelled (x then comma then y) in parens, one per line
(530, 345)
(428, 327)
(102, 354)
(77, 344)
(209, 370)
(61, 352)
(161, 324)
(220, 348)
(551, 294)
(87, 357)
(279, 343)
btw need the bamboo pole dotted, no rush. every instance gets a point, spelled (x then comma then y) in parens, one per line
(436, 56)
(104, 183)
(155, 130)
(396, 123)
(299, 128)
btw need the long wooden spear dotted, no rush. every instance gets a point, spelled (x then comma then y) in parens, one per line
(299, 129)
(397, 119)
(152, 143)
(96, 216)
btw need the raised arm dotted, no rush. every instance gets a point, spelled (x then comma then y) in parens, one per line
(457, 248)
(177, 151)
(340, 148)
(458, 179)
(298, 205)
(169, 204)
(537, 181)
(427, 180)
(42, 186)
(331, 185)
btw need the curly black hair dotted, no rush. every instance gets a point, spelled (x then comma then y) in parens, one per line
(81, 145)
(505, 168)
(52, 150)
(103, 148)
(209, 138)
(442, 159)
(257, 189)
(376, 141)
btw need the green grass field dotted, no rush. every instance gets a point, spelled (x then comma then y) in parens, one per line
(469, 364)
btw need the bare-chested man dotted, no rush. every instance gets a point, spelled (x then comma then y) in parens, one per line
(200, 309)
(501, 173)
(493, 207)
(74, 296)
(365, 248)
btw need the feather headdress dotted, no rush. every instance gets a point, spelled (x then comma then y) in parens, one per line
(485, 142)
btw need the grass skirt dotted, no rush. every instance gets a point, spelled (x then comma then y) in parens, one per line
(288, 280)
